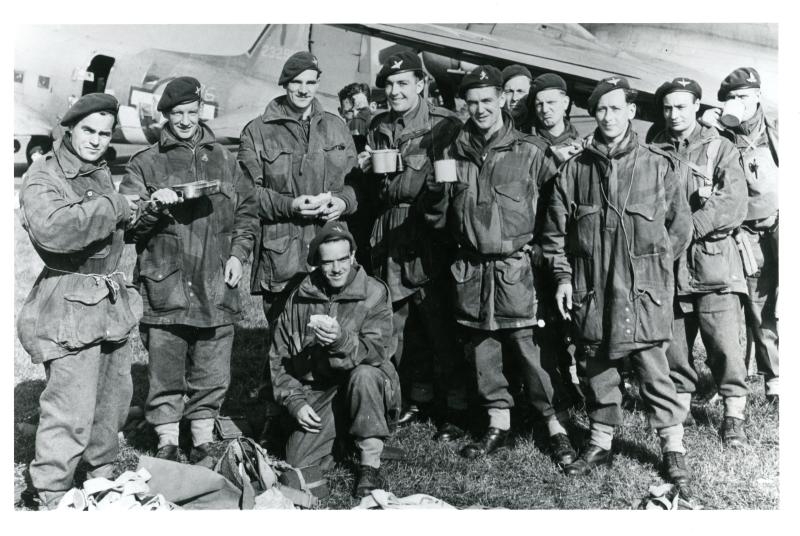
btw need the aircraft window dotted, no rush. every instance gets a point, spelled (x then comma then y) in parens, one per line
(19, 76)
(44, 82)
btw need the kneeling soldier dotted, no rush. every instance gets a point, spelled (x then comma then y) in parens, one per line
(330, 358)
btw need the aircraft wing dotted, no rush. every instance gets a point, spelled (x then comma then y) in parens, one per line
(569, 50)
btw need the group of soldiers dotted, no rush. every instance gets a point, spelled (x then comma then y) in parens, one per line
(500, 251)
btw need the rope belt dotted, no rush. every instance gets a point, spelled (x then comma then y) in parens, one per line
(113, 286)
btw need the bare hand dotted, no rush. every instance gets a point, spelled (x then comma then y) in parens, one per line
(710, 118)
(306, 206)
(327, 332)
(233, 272)
(133, 206)
(332, 210)
(365, 160)
(564, 299)
(309, 420)
(165, 197)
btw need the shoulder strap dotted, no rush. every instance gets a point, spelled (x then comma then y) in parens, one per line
(711, 155)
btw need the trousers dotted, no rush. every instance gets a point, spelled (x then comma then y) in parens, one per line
(185, 360)
(539, 370)
(604, 394)
(81, 410)
(717, 317)
(359, 406)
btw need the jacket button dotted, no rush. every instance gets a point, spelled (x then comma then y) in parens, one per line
(189, 283)
(627, 331)
(627, 320)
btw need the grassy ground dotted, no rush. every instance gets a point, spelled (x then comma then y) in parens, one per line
(522, 477)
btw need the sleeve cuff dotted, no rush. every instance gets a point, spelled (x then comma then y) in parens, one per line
(294, 405)
(702, 226)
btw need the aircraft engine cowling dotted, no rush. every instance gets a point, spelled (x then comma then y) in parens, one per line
(447, 72)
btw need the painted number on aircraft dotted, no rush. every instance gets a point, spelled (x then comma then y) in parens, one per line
(19, 76)
(44, 82)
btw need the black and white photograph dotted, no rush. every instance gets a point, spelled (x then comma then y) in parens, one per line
(397, 265)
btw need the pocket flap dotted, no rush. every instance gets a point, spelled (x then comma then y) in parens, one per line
(271, 154)
(511, 190)
(463, 270)
(159, 272)
(278, 245)
(226, 189)
(88, 292)
(646, 211)
(415, 161)
(585, 210)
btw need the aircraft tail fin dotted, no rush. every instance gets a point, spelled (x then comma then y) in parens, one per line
(272, 48)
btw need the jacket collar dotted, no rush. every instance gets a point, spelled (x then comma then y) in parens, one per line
(71, 164)
(169, 139)
(570, 133)
(313, 287)
(469, 139)
(276, 110)
(628, 143)
(699, 136)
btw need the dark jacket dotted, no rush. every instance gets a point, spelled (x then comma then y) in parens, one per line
(712, 262)
(76, 222)
(405, 253)
(615, 224)
(284, 161)
(491, 213)
(363, 309)
(182, 252)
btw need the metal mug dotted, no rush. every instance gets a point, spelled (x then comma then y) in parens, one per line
(445, 170)
(732, 113)
(384, 160)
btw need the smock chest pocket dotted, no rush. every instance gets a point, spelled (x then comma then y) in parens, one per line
(515, 204)
(585, 231)
(649, 236)
(277, 169)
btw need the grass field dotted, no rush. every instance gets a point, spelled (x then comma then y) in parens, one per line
(522, 477)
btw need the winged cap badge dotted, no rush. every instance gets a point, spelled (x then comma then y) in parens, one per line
(752, 79)
(683, 82)
(397, 64)
(483, 76)
(613, 81)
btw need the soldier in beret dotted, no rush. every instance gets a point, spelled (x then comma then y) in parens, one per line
(77, 319)
(709, 276)
(615, 224)
(405, 253)
(330, 358)
(298, 155)
(189, 264)
(756, 137)
(491, 213)
(516, 85)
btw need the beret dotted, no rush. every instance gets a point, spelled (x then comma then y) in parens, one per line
(89, 104)
(481, 76)
(606, 85)
(296, 64)
(741, 78)
(547, 81)
(679, 84)
(515, 70)
(332, 230)
(181, 90)
(398, 63)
